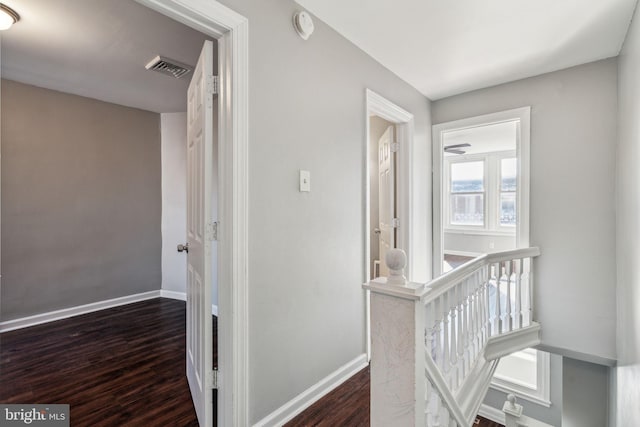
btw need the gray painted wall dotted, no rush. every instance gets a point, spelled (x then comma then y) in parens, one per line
(573, 134)
(174, 200)
(585, 395)
(80, 200)
(628, 230)
(478, 243)
(307, 250)
(551, 415)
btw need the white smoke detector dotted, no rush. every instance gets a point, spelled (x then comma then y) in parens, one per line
(303, 24)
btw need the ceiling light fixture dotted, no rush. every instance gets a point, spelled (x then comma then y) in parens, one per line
(8, 17)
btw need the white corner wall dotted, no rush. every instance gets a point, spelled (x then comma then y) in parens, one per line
(573, 139)
(627, 380)
(174, 200)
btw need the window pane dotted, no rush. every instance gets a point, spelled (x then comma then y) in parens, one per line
(508, 174)
(467, 177)
(508, 209)
(467, 209)
(520, 368)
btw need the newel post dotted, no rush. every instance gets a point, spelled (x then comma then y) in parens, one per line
(397, 347)
(512, 412)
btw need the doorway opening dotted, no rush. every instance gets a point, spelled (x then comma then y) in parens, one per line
(229, 29)
(388, 148)
(480, 187)
(481, 205)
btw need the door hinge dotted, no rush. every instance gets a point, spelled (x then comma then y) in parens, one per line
(395, 147)
(212, 379)
(212, 85)
(395, 222)
(212, 231)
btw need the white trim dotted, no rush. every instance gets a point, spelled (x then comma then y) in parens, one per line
(295, 406)
(524, 159)
(182, 296)
(491, 413)
(65, 313)
(541, 395)
(497, 416)
(463, 253)
(377, 105)
(232, 32)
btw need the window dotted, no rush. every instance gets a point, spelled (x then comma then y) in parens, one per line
(467, 193)
(526, 374)
(508, 186)
(482, 192)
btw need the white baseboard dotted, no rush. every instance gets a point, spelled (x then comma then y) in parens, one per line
(182, 296)
(496, 415)
(65, 313)
(491, 413)
(314, 393)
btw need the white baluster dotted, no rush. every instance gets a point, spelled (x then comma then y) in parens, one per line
(472, 314)
(446, 367)
(488, 302)
(437, 330)
(466, 325)
(460, 335)
(530, 283)
(454, 338)
(497, 319)
(508, 318)
(518, 273)
(430, 315)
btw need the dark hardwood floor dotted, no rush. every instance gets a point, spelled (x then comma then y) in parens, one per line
(124, 366)
(348, 405)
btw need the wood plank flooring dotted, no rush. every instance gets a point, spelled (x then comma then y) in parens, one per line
(348, 405)
(124, 366)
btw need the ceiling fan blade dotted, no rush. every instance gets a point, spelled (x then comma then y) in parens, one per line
(457, 146)
(454, 151)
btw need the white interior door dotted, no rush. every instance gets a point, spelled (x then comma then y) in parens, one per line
(200, 157)
(386, 200)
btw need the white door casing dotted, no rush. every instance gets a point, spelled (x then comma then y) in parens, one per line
(200, 157)
(231, 30)
(386, 197)
(522, 114)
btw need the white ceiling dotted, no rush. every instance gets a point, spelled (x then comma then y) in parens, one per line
(483, 139)
(98, 49)
(443, 48)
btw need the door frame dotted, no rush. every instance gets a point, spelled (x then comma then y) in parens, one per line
(523, 153)
(231, 31)
(377, 105)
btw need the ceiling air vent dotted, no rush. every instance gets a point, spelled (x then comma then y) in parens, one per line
(169, 67)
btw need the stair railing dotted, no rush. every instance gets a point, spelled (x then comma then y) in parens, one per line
(435, 346)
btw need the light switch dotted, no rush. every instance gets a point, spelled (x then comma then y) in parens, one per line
(305, 181)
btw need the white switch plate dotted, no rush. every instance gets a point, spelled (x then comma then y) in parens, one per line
(305, 181)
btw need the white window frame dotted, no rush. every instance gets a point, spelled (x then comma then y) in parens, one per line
(541, 394)
(492, 190)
